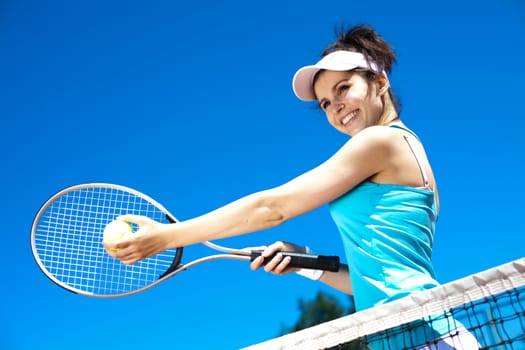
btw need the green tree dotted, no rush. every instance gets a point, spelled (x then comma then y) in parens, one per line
(323, 308)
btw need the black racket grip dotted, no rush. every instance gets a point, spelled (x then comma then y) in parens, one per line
(304, 261)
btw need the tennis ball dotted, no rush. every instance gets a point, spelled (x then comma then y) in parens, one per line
(116, 230)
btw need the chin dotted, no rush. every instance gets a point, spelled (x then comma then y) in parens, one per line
(347, 132)
(351, 132)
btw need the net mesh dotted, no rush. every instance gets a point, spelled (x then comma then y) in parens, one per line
(482, 311)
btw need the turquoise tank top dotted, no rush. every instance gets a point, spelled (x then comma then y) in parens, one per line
(387, 232)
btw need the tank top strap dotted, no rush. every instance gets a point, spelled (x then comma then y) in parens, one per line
(404, 129)
(424, 174)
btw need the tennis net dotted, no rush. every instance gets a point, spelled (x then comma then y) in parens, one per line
(482, 311)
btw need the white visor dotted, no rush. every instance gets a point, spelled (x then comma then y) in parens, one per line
(341, 60)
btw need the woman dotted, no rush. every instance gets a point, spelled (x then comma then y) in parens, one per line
(380, 187)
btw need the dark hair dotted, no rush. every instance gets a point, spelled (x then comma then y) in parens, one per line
(364, 39)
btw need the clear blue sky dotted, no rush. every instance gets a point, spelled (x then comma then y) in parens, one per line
(191, 103)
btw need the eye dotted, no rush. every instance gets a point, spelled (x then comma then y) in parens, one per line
(341, 89)
(324, 105)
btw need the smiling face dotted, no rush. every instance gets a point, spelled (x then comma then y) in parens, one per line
(351, 102)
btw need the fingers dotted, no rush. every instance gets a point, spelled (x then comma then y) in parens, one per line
(278, 265)
(257, 263)
(113, 247)
(274, 248)
(129, 258)
(124, 250)
(276, 262)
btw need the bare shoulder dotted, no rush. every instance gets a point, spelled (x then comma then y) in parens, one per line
(377, 132)
(368, 152)
(374, 138)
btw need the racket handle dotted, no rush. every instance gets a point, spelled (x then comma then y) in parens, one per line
(304, 261)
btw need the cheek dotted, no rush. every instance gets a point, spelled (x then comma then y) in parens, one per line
(372, 101)
(359, 94)
(358, 99)
(351, 97)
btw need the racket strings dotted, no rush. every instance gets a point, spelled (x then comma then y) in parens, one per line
(68, 241)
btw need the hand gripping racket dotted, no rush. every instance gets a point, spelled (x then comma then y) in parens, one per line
(66, 240)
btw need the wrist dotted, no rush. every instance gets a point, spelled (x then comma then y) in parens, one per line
(169, 237)
(312, 274)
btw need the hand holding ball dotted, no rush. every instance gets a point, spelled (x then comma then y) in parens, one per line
(116, 230)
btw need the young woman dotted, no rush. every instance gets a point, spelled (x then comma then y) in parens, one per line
(380, 187)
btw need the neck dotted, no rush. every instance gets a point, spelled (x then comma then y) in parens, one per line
(389, 114)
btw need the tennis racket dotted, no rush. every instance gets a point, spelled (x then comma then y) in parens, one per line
(66, 241)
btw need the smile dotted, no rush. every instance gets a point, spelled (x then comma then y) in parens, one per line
(348, 118)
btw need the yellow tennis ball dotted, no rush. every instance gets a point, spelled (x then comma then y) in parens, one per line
(116, 230)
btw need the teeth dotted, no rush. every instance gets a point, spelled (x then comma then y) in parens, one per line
(348, 118)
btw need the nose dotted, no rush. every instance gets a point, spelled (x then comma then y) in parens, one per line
(337, 107)
(333, 111)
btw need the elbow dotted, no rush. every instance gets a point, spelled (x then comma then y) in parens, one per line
(271, 209)
(275, 216)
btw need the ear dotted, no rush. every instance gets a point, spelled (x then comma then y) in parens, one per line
(382, 83)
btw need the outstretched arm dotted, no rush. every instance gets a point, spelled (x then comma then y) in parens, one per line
(252, 213)
(357, 160)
